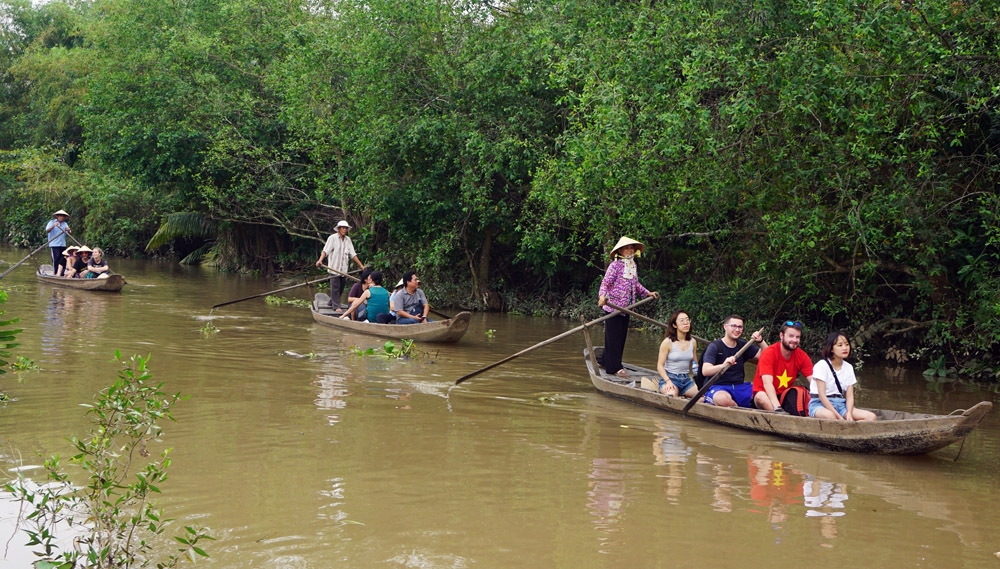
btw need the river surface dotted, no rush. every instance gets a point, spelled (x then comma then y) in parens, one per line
(340, 460)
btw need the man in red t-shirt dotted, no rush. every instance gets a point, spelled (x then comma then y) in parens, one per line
(779, 365)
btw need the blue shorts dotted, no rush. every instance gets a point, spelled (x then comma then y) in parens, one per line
(742, 393)
(839, 403)
(682, 382)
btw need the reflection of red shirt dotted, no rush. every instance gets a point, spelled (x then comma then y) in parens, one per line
(784, 371)
(776, 486)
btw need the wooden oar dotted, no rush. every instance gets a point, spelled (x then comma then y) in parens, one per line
(18, 264)
(267, 293)
(338, 273)
(711, 382)
(549, 341)
(651, 321)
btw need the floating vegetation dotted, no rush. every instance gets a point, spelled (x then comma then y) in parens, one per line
(279, 300)
(489, 333)
(390, 350)
(24, 364)
(208, 329)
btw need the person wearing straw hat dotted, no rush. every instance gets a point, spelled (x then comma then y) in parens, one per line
(56, 229)
(69, 257)
(621, 287)
(80, 264)
(339, 249)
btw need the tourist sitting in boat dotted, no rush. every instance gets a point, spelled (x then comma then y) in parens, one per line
(409, 304)
(678, 357)
(730, 390)
(97, 266)
(69, 257)
(80, 264)
(832, 383)
(620, 286)
(356, 290)
(375, 298)
(780, 365)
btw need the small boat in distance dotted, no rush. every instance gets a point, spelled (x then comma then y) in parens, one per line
(895, 432)
(110, 283)
(441, 331)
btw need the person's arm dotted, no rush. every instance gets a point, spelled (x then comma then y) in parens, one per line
(711, 354)
(359, 263)
(610, 276)
(319, 262)
(772, 395)
(661, 359)
(355, 304)
(48, 226)
(821, 388)
(849, 400)
(427, 306)
(761, 344)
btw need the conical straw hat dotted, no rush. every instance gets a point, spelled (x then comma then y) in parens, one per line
(639, 247)
(61, 212)
(86, 249)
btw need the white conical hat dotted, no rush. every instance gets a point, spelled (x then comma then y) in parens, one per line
(399, 284)
(627, 241)
(85, 249)
(61, 212)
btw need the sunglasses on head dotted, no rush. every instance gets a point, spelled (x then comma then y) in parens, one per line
(792, 323)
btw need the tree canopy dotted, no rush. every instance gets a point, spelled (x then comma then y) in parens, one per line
(832, 162)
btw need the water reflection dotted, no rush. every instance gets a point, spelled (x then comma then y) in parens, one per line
(70, 313)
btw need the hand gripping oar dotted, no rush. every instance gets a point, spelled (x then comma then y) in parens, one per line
(711, 382)
(270, 292)
(651, 321)
(18, 264)
(549, 341)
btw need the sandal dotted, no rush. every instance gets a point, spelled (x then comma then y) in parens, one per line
(622, 373)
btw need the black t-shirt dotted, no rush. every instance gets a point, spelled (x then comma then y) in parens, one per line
(717, 352)
(79, 265)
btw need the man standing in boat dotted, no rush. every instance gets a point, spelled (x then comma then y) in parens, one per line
(338, 251)
(410, 305)
(57, 228)
(780, 364)
(731, 390)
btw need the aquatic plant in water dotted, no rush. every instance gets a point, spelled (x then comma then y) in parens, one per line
(111, 517)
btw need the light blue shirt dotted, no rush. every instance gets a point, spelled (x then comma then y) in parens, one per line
(53, 228)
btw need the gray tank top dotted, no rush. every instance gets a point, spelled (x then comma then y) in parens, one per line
(679, 361)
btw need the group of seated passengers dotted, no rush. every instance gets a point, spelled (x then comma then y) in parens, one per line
(83, 263)
(831, 381)
(371, 302)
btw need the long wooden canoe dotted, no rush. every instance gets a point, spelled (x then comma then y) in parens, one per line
(441, 331)
(895, 432)
(111, 283)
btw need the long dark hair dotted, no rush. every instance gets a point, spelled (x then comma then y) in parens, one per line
(830, 341)
(672, 326)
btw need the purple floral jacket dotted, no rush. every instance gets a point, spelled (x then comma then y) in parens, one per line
(619, 289)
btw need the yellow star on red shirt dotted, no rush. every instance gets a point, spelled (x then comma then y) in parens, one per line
(784, 379)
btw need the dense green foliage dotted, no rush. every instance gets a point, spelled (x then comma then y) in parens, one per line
(835, 162)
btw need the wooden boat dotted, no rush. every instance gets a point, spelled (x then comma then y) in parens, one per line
(111, 283)
(442, 331)
(895, 432)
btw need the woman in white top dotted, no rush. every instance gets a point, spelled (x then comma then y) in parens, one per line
(832, 383)
(678, 357)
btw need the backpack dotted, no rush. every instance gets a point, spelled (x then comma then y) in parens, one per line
(795, 401)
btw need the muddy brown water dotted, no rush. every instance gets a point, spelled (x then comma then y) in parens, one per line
(338, 460)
